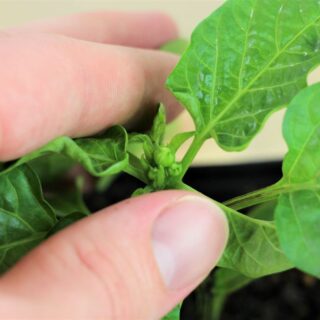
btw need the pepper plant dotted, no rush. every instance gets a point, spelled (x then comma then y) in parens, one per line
(247, 60)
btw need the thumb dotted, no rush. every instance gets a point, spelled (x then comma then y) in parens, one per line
(134, 260)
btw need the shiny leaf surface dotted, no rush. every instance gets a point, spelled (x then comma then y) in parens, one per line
(246, 60)
(25, 217)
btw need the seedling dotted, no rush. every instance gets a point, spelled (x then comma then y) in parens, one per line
(247, 60)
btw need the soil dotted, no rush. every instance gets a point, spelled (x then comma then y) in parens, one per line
(291, 295)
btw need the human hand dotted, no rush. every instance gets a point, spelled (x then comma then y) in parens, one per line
(136, 260)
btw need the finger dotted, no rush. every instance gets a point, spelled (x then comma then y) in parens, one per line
(135, 260)
(53, 85)
(143, 30)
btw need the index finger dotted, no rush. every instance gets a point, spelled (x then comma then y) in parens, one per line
(141, 30)
(53, 86)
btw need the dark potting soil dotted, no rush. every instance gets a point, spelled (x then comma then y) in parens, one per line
(291, 295)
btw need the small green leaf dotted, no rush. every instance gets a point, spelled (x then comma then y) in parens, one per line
(298, 210)
(245, 61)
(140, 143)
(159, 126)
(25, 217)
(102, 155)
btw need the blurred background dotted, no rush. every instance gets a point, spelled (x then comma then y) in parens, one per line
(269, 144)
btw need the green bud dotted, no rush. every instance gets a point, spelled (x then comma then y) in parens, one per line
(141, 191)
(164, 157)
(160, 179)
(175, 170)
(157, 177)
(152, 173)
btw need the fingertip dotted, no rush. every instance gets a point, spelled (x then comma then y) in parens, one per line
(191, 234)
(168, 29)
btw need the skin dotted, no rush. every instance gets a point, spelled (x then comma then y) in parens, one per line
(75, 76)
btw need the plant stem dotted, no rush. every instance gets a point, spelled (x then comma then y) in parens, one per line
(265, 195)
(254, 198)
(257, 197)
(183, 186)
(191, 153)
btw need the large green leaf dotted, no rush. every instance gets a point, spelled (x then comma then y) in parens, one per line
(102, 155)
(298, 210)
(253, 248)
(25, 217)
(227, 281)
(246, 60)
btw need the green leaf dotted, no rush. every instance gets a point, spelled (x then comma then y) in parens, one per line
(174, 314)
(246, 60)
(51, 167)
(101, 156)
(227, 281)
(159, 126)
(264, 211)
(25, 217)
(253, 248)
(298, 210)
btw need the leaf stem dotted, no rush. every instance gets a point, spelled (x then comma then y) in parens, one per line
(191, 153)
(266, 194)
(255, 197)
(183, 186)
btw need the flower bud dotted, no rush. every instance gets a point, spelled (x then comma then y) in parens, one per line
(164, 157)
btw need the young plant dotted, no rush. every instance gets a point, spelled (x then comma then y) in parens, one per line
(247, 60)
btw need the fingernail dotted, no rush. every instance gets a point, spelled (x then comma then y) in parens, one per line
(189, 237)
